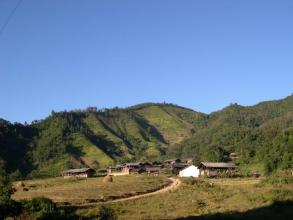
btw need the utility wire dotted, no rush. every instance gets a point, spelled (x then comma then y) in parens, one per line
(8, 19)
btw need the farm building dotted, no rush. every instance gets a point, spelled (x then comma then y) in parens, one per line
(156, 163)
(79, 173)
(233, 156)
(133, 167)
(187, 160)
(169, 163)
(125, 169)
(117, 170)
(191, 171)
(153, 170)
(216, 169)
(177, 167)
(129, 168)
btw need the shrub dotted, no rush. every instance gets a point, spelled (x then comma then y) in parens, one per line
(279, 179)
(201, 184)
(9, 208)
(107, 213)
(41, 208)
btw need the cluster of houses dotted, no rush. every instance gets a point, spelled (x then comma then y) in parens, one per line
(180, 167)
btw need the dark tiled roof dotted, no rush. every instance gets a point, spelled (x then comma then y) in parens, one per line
(180, 165)
(171, 160)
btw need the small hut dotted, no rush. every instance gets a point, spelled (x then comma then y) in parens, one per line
(132, 168)
(155, 171)
(233, 156)
(188, 160)
(79, 173)
(170, 162)
(209, 169)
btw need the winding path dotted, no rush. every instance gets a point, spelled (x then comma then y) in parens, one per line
(175, 184)
(170, 188)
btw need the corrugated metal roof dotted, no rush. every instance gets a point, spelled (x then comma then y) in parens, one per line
(132, 164)
(152, 168)
(218, 165)
(180, 165)
(81, 170)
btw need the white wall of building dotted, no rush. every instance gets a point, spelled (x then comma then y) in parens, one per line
(191, 171)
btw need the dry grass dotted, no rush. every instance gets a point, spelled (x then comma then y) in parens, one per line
(236, 181)
(196, 198)
(90, 190)
(193, 198)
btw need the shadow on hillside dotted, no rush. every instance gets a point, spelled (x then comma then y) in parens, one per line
(278, 210)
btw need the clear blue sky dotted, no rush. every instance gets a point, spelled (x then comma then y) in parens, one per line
(69, 54)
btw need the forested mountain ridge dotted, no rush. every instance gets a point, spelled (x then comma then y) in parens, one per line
(95, 138)
(261, 134)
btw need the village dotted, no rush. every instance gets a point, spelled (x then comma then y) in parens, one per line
(178, 167)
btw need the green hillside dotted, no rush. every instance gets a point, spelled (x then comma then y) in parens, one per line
(95, 138)
(261, 134)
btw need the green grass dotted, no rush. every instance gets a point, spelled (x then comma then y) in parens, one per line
(98, 129)
(172, 127)
(90, 153)
(52, 167)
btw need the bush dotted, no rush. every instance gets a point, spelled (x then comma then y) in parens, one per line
(279, 179)
(9, 208)
(201, 184)
(41, 208)
(107, 213)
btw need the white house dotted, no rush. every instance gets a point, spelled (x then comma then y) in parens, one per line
(190, 171)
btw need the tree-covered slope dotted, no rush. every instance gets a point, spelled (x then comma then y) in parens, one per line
(95, 138)
(261, 134)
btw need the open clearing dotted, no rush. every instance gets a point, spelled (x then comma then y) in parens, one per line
(201, 197)
(91, 190)
(149, 197)
(170, 188)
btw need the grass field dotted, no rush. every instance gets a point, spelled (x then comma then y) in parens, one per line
(205, 198)
(263, 198)
(91, 190)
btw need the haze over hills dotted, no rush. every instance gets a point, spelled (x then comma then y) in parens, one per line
(261, 134)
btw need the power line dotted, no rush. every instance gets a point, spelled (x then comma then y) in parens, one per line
(6, 22)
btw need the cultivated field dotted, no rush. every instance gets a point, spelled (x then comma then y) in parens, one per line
(91, 190)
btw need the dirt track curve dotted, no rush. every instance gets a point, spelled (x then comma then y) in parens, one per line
(170, 188)
(175, 184)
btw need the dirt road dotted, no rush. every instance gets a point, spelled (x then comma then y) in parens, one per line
(175, 184)
(170, 188)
